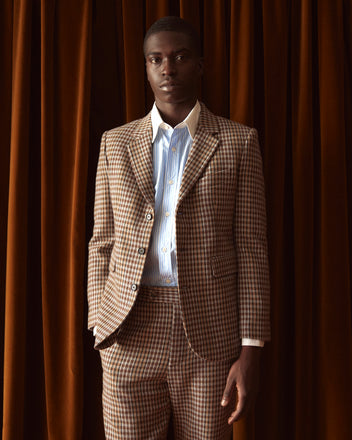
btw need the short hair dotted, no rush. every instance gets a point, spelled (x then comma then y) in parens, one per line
(175, 24)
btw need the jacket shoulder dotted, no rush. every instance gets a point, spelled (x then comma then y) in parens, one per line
(235, 132)
(224, 125)
(124, 132)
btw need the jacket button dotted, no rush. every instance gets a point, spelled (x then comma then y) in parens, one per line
(134, 287)
(149, 216)
(141, 251)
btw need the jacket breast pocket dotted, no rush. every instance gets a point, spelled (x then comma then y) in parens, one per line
(217, 189)
(218, 177)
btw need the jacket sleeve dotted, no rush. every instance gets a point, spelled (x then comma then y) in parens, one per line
(251, 244)
(102, 241)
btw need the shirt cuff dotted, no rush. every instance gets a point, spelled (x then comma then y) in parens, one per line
(252, 342)
(94, 330)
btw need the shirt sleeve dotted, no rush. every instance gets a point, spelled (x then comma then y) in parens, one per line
(252, 342)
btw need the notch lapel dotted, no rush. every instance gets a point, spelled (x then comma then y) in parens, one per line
(204, 145)
(141, 157)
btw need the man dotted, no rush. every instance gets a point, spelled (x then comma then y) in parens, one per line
(178, 286)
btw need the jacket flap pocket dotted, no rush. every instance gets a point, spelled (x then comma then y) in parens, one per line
(223, 265)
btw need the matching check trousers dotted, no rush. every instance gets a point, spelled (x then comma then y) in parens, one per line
(151, 376)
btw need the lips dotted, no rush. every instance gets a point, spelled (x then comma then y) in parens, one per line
(169, 86)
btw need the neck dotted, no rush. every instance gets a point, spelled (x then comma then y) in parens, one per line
(172, 113)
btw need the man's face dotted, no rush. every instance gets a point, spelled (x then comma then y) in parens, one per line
(173, 68)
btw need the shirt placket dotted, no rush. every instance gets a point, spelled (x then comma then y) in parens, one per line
(168, 207)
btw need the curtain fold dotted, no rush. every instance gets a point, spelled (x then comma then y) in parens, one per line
(5, 129)
(242, 34)
(75, 69)
(334, 309)
(133, 57)
(46, 230)
(65, 90)
(216, 58)
(304, 173)
(275, 131)
(17, 234)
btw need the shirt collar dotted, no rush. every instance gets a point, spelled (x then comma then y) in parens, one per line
(191, 121)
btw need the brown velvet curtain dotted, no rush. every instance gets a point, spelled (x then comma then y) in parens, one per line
(72, 69)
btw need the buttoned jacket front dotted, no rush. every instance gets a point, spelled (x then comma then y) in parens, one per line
(222, 264)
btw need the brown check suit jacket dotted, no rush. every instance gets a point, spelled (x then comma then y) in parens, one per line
(222, 264)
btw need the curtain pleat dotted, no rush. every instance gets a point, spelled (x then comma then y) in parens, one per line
(275, 127)
(304, 174)
(65, 90)
(17, 226)
(334, 308)
(242, 34)
(216, 58)
(133, 56)
(75, 69)
(5, 129)
(46, 230)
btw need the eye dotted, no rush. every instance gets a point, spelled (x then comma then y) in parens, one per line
(179, 58)
(155, 60)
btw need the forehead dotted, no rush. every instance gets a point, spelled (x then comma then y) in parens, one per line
(166, 41)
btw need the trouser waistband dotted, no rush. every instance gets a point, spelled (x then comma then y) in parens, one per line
(162, 294)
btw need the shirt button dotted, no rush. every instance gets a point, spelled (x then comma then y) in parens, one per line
(168, 281)
(141, 251)
(171, 182)
(164, 249)
(173, 149)
(167, 214)
(134, 287)
(149, 216)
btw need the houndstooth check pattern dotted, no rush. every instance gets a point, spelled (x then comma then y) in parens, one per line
(150, 371)
(222, 265)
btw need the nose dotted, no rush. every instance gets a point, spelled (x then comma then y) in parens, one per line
(168, 67)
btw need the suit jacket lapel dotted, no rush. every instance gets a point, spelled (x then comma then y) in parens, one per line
(204, 145)
(140, 151)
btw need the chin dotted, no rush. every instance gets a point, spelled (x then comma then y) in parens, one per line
(172, 99)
